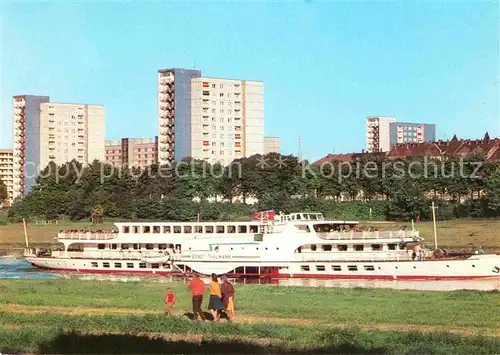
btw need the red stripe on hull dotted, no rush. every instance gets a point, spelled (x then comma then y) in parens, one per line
(284, 276)
(382, 277)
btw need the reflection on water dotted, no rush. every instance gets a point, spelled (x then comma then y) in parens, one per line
(15, 268)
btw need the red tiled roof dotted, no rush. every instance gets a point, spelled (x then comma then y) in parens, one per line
(334, 157)
(452, 148)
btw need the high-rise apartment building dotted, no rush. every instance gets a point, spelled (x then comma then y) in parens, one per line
(378, 137)
(404, 132)
(26, 137)
(227, 119)
(174, 112)
(132, 152)
(271, 145)
(7, 173)
(59, 132)
(214, 119)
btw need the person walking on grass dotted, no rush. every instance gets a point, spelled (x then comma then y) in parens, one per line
(197, 288)
(215, 304)
(228, 297)
(170, 302)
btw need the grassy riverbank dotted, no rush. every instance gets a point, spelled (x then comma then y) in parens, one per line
(72, 315)
(457, 234)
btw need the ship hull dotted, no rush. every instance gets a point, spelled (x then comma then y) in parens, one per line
(484, 266)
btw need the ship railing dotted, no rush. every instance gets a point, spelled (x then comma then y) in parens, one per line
(401, 234)
(87, 236)
(118, 254)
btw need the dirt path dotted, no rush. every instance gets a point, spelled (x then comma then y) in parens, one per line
(242, 318)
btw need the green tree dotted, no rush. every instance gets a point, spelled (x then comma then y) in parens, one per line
(493, 191)
(3, 192)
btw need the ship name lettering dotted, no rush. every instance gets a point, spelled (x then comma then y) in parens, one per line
(211, 256)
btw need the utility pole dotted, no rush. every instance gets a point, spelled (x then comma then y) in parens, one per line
(434, 207)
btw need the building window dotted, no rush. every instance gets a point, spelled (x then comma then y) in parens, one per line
(221, 94)
(221, 152)
(206, 93)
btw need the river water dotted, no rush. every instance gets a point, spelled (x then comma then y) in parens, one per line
(18, 268)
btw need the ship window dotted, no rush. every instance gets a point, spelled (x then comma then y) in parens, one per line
(142, 265)
(219, 229)
(231, 229)
(177, 229)
(156, 229)
(188, 229)
(101, 246)
(114, 246)
(302, 227)
(94, 264)
(391, 246)
(254, 229)
(209, 229)
(162, 246)
(304, 267)
(198, 229)
(342, 247)
(369, 268)
(320, 267)
(125, 246)
(126, 229)
(326, 247)
(155, 266)
(376, 246)
(336, 268)
(135, 229)
(359, 247)
(146, 229)
(313, 247)
(105, 264)
(352, 268)
(402, 246)
(136, 246)
(166, 229)
(118, 265)
(242, 229)
(130, 265)
(149, 246)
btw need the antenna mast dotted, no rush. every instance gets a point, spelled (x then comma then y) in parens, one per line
(299, 155)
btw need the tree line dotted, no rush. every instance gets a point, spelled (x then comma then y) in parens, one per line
(371, 187)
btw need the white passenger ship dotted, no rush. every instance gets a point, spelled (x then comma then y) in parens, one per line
(301, 245)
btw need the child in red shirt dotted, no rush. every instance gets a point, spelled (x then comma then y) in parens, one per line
(169, 301)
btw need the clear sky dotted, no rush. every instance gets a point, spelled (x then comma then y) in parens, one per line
(325, 66)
